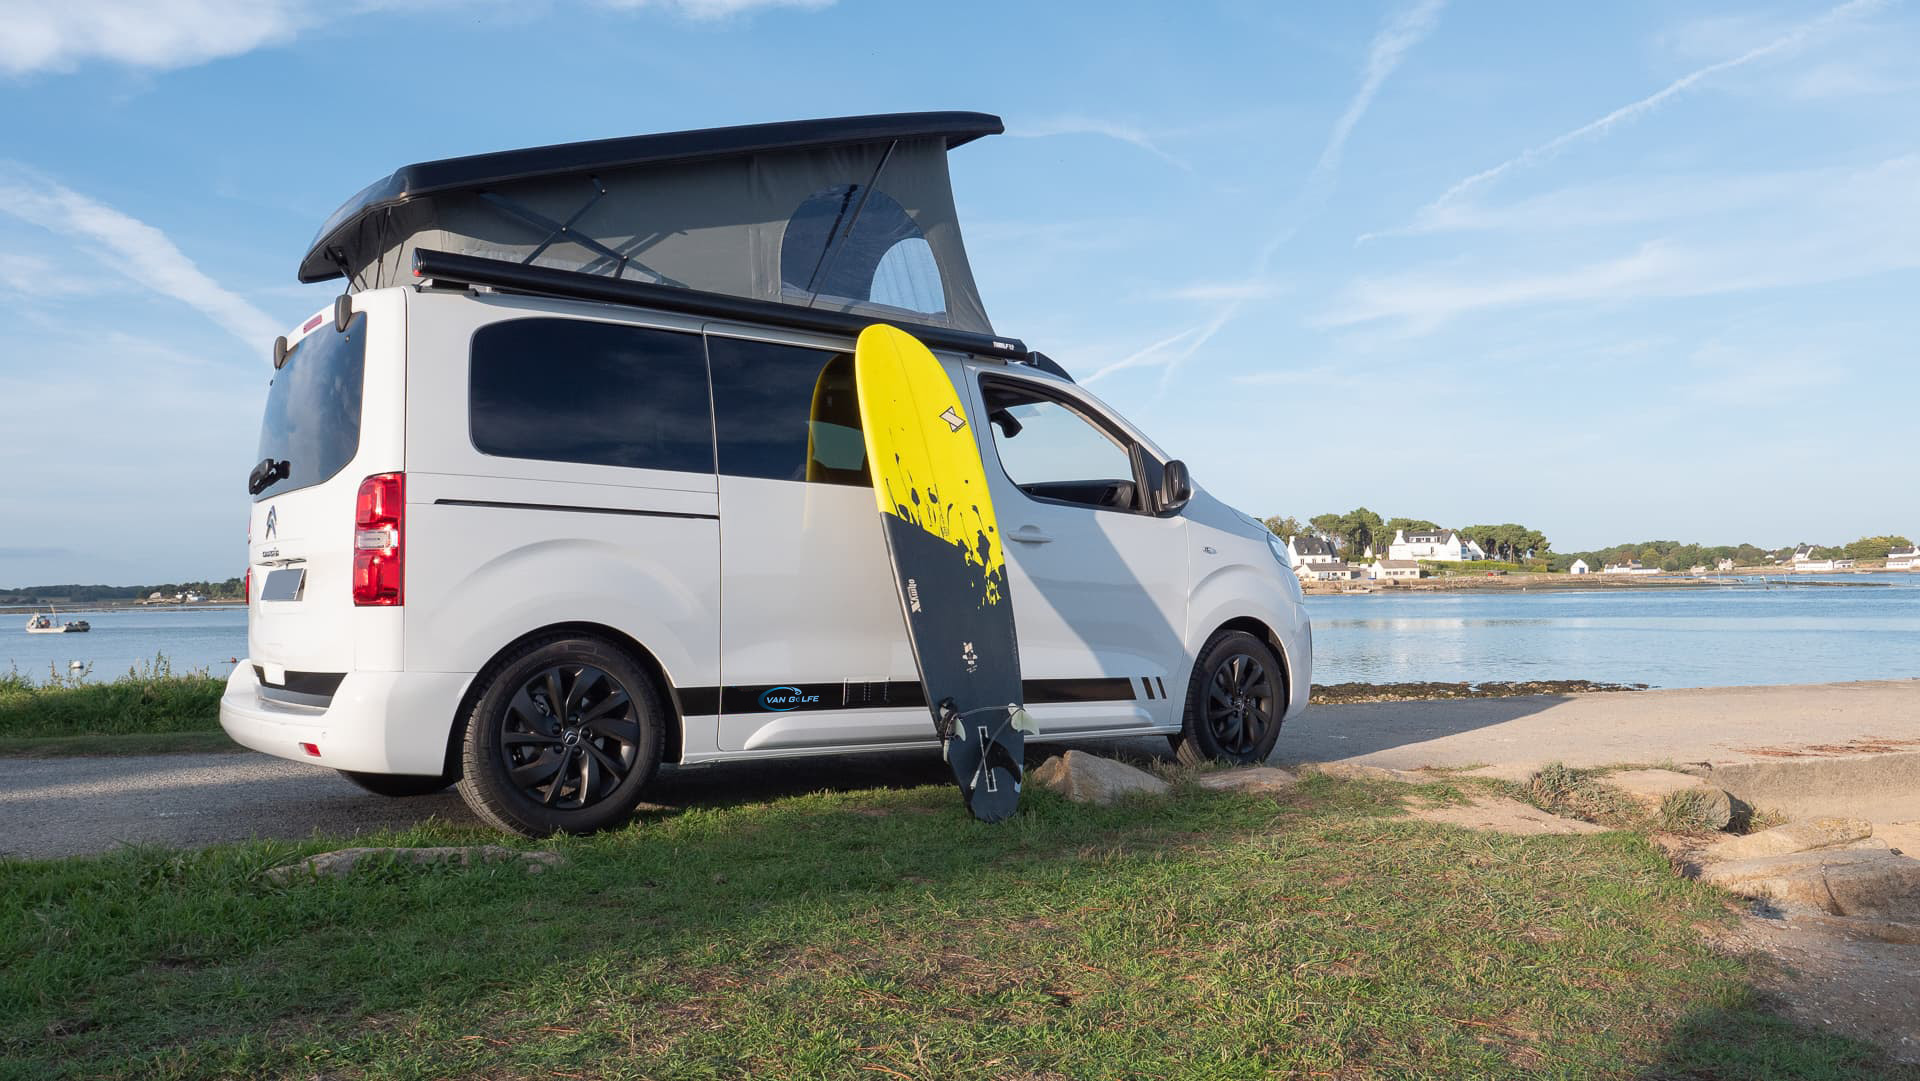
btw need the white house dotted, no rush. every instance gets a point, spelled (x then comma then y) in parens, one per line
(1631, 566)
(1393, 569)
(1332, 572)
(1306, 551)
(1579, 567)
(1808, 558)
(1442, 545)
(1904, 559)
(1723, 566)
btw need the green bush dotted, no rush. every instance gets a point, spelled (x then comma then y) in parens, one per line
(150, 698)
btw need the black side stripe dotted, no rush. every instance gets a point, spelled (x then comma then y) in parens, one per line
(1163, 686)
(894, 694)
(1147, 682)
(574, 510)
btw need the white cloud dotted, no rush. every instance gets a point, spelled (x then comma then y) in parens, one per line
(1834, 226)
(132, 248)
(715, 9)
(1236, 291)
(157, 35)
(1082, 125)
(30, 275)
(1784, 43)
(163, 35)
(1612, 204)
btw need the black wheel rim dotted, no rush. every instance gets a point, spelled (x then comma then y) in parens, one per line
(1239, 703)
(570, 736)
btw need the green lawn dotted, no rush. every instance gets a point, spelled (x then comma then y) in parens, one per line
(884, 934)
(151, 709)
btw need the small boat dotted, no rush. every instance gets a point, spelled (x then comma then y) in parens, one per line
(44, 624)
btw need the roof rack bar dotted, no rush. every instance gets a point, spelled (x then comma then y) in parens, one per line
(579, 285)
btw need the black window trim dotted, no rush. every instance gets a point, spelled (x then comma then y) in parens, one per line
(357, 325)
(1136, 453)
(526, 315)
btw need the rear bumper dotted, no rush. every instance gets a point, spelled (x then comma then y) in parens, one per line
(377, 722)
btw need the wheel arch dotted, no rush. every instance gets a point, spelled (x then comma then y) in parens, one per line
(676, 722)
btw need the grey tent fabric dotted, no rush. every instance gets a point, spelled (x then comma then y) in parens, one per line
(873, 214)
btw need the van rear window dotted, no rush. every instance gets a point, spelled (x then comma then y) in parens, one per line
(312, 421)
(571, 390)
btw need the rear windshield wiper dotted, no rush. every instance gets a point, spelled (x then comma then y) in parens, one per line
(264, 474)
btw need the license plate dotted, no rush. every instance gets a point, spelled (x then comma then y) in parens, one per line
(284, 584)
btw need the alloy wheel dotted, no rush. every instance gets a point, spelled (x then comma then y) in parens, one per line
(570, 736)
(1239, 703)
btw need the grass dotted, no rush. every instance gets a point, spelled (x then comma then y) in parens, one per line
(151, 708)
(883, 934)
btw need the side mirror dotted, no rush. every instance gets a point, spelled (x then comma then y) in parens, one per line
(1176, 486)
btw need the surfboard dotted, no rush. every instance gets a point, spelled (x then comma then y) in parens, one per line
(931, 489)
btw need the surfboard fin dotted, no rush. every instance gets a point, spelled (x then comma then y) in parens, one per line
(1021, 720)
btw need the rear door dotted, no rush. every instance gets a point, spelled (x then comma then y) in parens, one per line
(332, 418)
(1099, 584)
(813, 648)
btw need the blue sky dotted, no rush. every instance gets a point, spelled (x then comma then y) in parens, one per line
(1617, 271)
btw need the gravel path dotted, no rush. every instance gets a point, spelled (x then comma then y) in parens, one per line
(70, 806)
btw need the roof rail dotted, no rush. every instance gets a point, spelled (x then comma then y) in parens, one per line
(447, 267)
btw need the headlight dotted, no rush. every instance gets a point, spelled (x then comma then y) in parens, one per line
(1278, 549)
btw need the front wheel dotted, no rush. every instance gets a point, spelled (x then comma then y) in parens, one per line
(1235, 701)
(565, 734)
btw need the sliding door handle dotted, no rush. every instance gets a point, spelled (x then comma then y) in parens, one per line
(1027, 534)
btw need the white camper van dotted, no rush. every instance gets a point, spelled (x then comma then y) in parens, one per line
(584, 492)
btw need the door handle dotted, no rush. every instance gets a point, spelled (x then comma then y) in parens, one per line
(1029, 535)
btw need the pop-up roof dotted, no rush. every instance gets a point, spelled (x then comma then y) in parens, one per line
(850, 214)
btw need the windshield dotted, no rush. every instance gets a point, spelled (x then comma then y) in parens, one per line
(312, 426)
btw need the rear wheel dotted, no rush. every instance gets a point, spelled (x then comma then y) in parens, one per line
(565, 734)
(397, 784)
(1235, 700)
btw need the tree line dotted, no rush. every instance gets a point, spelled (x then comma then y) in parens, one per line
(1674, 556)
(73, 593)
(1361, 528)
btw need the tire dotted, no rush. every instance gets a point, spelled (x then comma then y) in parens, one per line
(397, 785)
(1236, 700)
(528, 771)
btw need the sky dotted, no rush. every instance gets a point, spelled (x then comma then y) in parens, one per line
(1615, 271)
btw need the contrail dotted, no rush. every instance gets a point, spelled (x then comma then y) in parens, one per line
(1384, 54)
(1783, 43)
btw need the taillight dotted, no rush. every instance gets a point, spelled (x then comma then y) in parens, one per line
(379, 540)
(246, 586)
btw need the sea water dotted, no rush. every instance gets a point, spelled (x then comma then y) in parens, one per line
(189, 639)
(1809, 631)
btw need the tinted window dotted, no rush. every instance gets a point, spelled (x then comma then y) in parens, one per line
(566, 390)
(787, 413)
(854, 243)
(313, 408)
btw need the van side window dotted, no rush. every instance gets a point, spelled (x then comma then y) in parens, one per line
(785, 412)
(1052, 452)
(569, 390)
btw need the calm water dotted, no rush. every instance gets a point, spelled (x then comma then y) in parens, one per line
(1685, 637)
(1691, 637)
(191, 638)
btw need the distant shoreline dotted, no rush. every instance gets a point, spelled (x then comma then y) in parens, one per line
(1531, 582)
(119, 606)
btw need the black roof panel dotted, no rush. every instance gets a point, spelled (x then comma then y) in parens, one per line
(481, 170)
